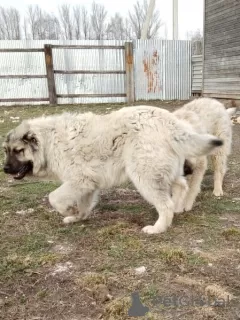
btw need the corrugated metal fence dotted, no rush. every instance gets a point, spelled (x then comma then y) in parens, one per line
(162, 70)
(75, 59)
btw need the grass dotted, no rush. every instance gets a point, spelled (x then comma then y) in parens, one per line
(98, 257)
(231, 234)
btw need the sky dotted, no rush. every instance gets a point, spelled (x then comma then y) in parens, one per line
(190, 12)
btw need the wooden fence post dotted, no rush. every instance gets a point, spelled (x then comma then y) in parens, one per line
(129, 72)
(50, 74)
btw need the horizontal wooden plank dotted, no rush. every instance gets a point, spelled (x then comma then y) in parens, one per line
(197, 74)
(225, 61)
(25, 76)
(196, 88)
(220, 88)
(196, 81)
(221, 52)
(23, 99)
(226, 25)
(197, 70)
(89, 72)
(234, 46)
(221, 95)
(228, 81)
(22, 50)
(197, 60)
(87, 47)
(91, 95)
(197, 56)
(212, 5)
(226, 21)
(225, 40)
(226, 10)
(213, 20)
(213, 74)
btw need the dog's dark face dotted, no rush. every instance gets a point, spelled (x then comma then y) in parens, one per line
(19, 154)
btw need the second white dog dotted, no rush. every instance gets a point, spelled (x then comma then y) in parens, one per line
(207, 115)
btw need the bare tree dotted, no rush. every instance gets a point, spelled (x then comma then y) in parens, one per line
(197, 41)
(10, 24)
(137, 18)
(77, 21)
(66, 21)
(148, 18)
(39, 25)
(86, 25)
(116, 29)
(34, 14)
(98, 21)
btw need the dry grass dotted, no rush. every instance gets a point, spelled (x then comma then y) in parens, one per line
(86, 271)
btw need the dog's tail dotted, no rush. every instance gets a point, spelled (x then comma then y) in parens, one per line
(196, 145)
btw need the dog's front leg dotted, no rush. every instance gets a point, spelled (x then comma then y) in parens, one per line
(73, 203)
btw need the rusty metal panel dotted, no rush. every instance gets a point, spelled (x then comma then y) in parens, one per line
(162, 69)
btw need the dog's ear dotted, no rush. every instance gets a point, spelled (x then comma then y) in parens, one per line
(31, 139)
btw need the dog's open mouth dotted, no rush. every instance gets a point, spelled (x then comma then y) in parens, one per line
(25, 169)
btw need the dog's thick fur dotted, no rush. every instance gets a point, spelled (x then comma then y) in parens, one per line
(207, 115)
(89, 152)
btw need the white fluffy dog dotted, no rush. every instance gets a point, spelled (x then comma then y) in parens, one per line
(207, 115)
(89, 152)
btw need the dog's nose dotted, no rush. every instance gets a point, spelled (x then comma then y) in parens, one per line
(6, 168)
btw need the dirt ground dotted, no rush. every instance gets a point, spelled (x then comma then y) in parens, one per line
(87, 271)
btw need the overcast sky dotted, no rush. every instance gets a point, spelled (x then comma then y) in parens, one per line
(190, 11)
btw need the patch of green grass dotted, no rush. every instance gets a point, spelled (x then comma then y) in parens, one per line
(112, 231)
(172, 255)
(92, 279)
(117, 309)
(24, 252)
(196, 260)
(220, 205)
(15, 263)
(231, 234)
(149, 293)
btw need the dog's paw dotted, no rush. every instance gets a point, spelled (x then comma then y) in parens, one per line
(188, 207)
(179, 210)
(151, 230)
(70, 219)
(218, 193)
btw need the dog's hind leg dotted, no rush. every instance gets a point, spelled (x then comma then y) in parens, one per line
(156, 193)
(179, 192)
(219, 162)
(195, 183)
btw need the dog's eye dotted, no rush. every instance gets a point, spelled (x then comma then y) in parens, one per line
(18, 151)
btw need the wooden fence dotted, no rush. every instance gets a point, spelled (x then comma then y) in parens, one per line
(53, 95)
